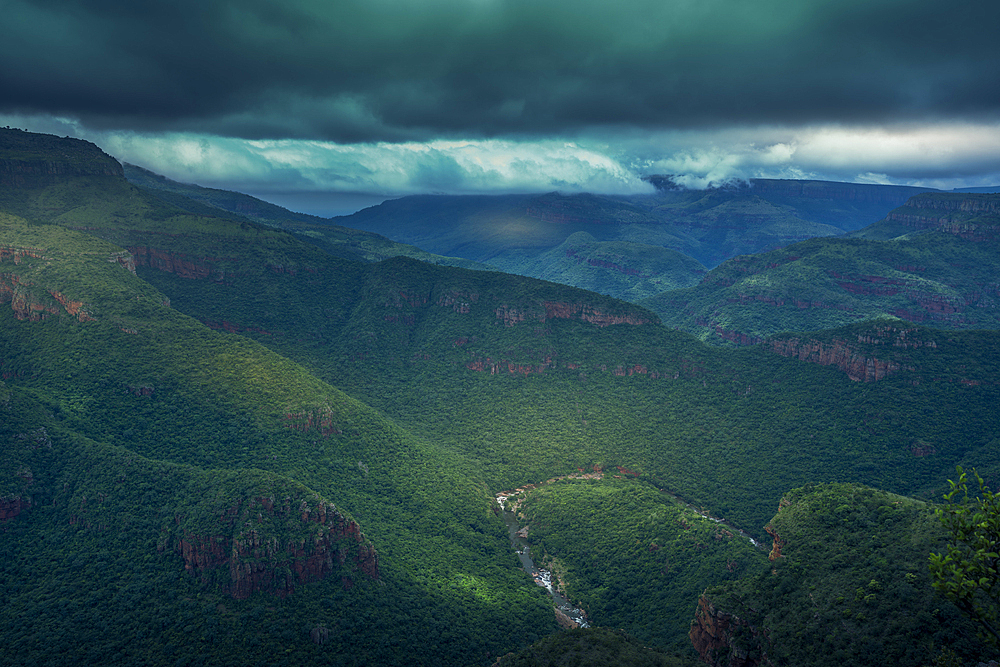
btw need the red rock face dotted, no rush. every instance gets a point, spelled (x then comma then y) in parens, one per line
(712, 637)
(842, 354)
(500, 366)
(123, 259)
(12, 253)
(605, 264)
(838, 353)
(554, 310)
(258, 561)
(776, 545)
(561, 310)
(74, 308)
(458, 300)
(28, 305)
(25, 304)
(185, 266)
(10, 508)
(951, 215)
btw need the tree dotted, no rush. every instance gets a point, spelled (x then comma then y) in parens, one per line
(968, 574)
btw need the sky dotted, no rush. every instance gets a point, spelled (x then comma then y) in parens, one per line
(330, 105)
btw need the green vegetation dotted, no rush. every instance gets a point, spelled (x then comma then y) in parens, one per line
(155, 423)
(336, 240)
(851, 585)
(592, 647)
(968, 573)
(936, 278)
(519, 232)
(138, 426)
(627, 271)
(631, 555)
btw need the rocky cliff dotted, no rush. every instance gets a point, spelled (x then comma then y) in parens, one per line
(974, 217)
(181, 264)
(33, 302)
(714, 636)
(273, 546)
(839, 353)
(855, 358)
(12, 506)
(554, 310)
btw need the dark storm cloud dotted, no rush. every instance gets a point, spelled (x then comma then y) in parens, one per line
(380, 70)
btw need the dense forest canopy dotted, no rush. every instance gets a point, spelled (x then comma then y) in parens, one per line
(229, 440)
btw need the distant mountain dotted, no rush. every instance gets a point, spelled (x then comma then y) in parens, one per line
(629, 271)
(992, 189)
(934, 260)
(523, 234)
(337, 240)
(215, 200)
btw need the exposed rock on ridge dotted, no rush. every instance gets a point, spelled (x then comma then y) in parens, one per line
(859, 366)
(969, 216)
(258, 556)
(511, 315)
(713, 635)
(180, 264)
(838, 353)
(12, 506)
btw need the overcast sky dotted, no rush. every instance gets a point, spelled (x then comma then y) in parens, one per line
(295, 98)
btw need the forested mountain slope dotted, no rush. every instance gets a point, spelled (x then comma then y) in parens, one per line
(282, 456)
(848, 585)
(935, 261)
(188, 495)
(339, 241)
(521, 234)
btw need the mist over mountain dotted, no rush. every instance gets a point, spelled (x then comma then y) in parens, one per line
(225, 440)
(520, 234)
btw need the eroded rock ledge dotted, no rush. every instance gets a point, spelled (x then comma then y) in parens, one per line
(713, 635)
(274, 547)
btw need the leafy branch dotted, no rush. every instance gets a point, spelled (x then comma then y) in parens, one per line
(968, 574)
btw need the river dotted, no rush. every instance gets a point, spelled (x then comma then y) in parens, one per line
(542, 577)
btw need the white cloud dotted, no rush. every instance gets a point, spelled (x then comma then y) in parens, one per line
(485, 166)
(943, 155)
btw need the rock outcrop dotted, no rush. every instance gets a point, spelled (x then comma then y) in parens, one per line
(839, 353)
(34, 305)
(859, 365)
(974, 217)
(25, 301)
(12, 506)
(713, 635)
(180, 264)
(261, 553)
(776, 544)
(555, 310)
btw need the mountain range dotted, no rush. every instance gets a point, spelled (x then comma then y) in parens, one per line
(260, 438)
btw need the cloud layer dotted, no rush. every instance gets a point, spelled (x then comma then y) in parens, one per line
(295, 172)
(404, 96)
(413, 70)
